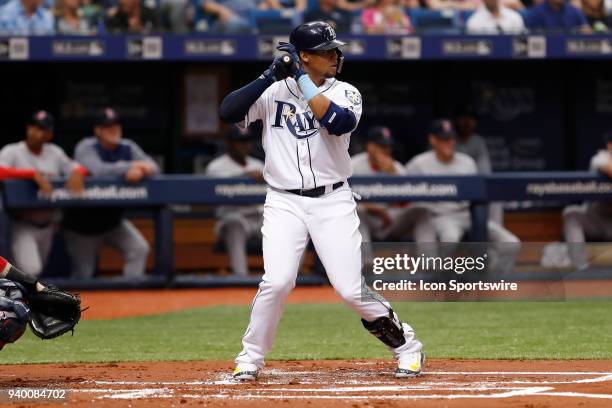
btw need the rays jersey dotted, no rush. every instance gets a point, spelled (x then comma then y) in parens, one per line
(300, 153)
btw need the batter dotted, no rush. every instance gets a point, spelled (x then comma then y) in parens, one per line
(308, 117)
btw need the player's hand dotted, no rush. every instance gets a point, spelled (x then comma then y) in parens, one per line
(295, 68)
(134, 175)
(75, 183)
(146, 167)
(279, 69)
(255, 175)
(44, 185)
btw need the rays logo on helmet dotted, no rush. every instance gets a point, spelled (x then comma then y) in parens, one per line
(300, 124)
(353, 97)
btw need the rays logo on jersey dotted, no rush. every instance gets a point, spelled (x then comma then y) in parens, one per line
(300, 124)
(353, 97)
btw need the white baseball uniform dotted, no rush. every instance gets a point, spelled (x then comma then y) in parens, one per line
(403, 218)
(590, 221)
(301, 154)
(236, 223)
(32, 230)
(452, 219)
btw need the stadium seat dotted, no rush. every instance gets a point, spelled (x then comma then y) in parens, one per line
(274, 21)
(434, 21)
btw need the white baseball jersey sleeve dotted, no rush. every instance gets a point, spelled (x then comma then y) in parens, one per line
(300, 153)
(52, 160)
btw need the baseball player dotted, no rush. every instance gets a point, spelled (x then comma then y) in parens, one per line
(23, 299)
(238, 223)
(451, 219)
(308, 116)
(590, 221)
(108, 154)
(32, 230)
(383, 220)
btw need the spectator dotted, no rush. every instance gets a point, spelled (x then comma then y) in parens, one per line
(386, 17)
(383, 220)
(177, 15)
(70, 18)
(453, 4)
(355, 5)
(132, 16)
(330, 13)
(32, 230)
(451, 220)
(107, 154)
(556, 15)
(238, 223)
(595, 12)
(493, 18)
(26, 17)
(591, 221)
(232, 16)
(298, 5)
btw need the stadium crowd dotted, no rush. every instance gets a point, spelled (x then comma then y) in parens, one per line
(392, 17)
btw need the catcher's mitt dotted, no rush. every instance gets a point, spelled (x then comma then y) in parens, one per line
(53, 312)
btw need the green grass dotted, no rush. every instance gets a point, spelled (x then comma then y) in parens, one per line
(488, 330)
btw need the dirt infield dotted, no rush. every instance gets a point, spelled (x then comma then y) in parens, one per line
(126, 303)
(314, 384)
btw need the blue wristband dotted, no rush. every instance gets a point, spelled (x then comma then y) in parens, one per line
(308, 88)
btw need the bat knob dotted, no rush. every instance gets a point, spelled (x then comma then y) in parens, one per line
(286, 59)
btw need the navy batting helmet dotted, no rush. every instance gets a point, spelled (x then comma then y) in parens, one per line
(14, 313)
(317, 36)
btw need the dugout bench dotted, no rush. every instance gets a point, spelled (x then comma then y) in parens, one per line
(158, 194)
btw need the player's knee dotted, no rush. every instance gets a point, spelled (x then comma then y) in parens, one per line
(350, 295)
(139, 249)
(280, 287)
(450, 235)
(572, 214)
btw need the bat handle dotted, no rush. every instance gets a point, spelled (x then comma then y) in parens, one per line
(286, 59)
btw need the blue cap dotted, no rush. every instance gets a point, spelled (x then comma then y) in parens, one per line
(106, 117)
(380, 135)
(42, 119)
(442, 129)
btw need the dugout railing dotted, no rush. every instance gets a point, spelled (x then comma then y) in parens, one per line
(157, 196)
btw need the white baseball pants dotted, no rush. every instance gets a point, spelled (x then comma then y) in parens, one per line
(332, 223)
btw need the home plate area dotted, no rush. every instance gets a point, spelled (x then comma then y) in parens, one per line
(361, 383)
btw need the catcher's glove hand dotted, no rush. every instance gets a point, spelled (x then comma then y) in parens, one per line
(53, 312)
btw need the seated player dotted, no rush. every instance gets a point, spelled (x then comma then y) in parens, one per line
(451, 220)
(32, 230)
(108, 154)
(591, 221)
(238, 223)
(383, 221)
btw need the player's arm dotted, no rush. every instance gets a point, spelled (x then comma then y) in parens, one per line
(235, 106)
(8, 271)
(336, 119)
(602, 164)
